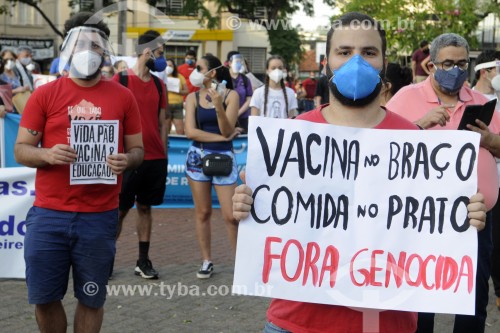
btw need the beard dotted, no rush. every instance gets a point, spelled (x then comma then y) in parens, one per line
(358, 102)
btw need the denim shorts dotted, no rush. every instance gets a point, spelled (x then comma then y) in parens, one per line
(56, 241)
(271, 328)
(195, 172)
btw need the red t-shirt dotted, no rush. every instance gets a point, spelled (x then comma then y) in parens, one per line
(418, 56)
(309, 85)
(300, 317)
(49, 111)
(186, 71)
(147, 97)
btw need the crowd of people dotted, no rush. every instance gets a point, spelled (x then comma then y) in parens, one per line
(210, 102)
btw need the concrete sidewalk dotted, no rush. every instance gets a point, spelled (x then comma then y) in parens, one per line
(175, 254)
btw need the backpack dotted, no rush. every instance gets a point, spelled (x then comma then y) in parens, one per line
(124, 82)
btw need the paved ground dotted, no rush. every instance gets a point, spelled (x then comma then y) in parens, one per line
(175, 254)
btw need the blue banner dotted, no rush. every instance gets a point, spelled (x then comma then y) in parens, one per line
(178, 193)
(11, 125)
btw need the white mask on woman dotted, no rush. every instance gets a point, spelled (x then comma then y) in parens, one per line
(196, 78)
(276, 75)
(9, 65)
(169, 70)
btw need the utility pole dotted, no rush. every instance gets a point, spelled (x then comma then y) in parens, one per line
(98, 5)
(122, 26)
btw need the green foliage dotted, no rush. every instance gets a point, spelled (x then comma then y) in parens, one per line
(407, 22)
(283, 42)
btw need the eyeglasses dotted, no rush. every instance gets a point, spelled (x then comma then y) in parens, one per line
(448, 65)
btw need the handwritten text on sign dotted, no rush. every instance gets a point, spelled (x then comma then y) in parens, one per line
(360, 217)
(93, 141)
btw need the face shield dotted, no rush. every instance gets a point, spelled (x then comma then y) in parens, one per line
(237, 63)
(82, 53)
(495, 80)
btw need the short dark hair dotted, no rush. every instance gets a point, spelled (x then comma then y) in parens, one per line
(398, 76)
(86, 19)
(486, 56)
(148, 40)
(424, 43)
(191, 53)
(152, 32)
(230, 54)
(359, 19)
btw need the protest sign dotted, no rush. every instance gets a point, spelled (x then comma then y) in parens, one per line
(93, 141)
(359, 217)
(41, 79)
(17, 193)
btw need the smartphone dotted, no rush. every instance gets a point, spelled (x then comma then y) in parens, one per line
(481, 112)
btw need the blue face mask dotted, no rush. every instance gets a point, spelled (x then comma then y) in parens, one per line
(190, 62)
(451, 80)
(157, 65)
(356, 79)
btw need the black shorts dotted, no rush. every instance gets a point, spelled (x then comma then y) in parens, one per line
(146, 184)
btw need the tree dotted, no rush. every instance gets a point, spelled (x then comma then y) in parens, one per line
(86, 5)
(407, 22)
(284, 39)
(4, 9)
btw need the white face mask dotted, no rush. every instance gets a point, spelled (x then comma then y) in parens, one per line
(9, 65)
(276, 75)
(169, 70)
(30, 67)
(196, 78)
(495, 83)
(86, 63)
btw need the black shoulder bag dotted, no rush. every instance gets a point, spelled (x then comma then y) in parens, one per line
(213, 164)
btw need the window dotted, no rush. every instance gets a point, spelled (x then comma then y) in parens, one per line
(256, 57)
(23, 14)
(178, 52)
(173, 7)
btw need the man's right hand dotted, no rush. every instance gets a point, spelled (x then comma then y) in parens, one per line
(60, 154)
(437, 116)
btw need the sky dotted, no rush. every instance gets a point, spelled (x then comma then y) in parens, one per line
(322, 13)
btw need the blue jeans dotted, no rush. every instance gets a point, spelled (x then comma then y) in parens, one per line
(476, 323)
(271, 328)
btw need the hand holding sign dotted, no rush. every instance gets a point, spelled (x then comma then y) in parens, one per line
(319, 233)
(117, 163)
(60, 154)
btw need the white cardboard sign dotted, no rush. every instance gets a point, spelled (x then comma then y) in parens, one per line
(359, 217)
(93, 141)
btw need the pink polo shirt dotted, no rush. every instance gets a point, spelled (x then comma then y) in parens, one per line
(414, 101)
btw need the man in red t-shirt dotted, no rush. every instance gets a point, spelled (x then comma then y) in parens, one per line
(346, 44)
(309, 86)
(72, 224)
(418, 56)
(145, 186)
(187, 68)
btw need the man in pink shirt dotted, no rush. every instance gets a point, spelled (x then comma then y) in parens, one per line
(438, 103)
